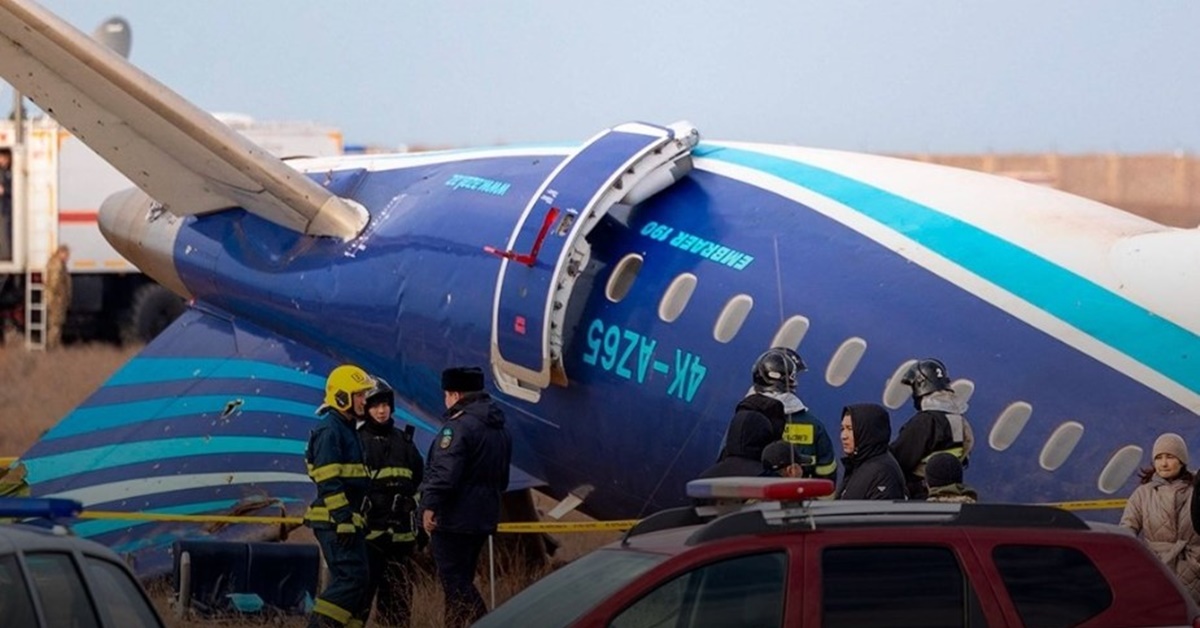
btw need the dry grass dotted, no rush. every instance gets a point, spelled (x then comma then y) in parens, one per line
(39, 388)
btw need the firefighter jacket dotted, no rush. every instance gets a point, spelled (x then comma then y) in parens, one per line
(394, 471)
(335, 462)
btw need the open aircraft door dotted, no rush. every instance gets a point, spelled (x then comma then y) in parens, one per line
(548, 247)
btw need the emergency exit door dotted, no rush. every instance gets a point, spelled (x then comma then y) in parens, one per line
(548, 246)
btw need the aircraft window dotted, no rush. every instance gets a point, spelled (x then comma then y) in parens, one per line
(1119, 468)
(676, 297)
(963, 389)
(895, 393)
(790, 333)
(1009, 425)
(844, 361)
(1060, 445)
(622, 277)
(729, 323)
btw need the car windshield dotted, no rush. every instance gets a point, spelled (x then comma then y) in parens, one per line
(561, 597)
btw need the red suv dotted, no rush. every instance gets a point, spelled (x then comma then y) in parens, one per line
(784, 561)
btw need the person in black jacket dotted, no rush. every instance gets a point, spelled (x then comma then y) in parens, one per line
(749, 433)
(394, 470)
(938, 426)
(870, 470)
(335, 463)
(466, 472)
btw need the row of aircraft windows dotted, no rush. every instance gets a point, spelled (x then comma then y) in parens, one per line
(1007, 427)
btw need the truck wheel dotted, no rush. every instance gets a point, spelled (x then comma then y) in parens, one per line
(153, 308)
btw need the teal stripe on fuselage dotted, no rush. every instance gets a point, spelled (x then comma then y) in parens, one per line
(1081, 303)
(53, 467)
(147, 370)
(95, 527)
(97, 418)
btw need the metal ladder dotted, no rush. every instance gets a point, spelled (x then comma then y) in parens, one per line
(35, 310)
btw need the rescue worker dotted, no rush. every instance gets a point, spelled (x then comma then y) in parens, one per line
(774, 375)
(335, 462)
(394, 471)
(870, 470)
(938, 425)
(944, 480)
(466, 472)
(57, 292)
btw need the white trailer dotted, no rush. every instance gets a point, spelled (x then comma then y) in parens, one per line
(58, 184)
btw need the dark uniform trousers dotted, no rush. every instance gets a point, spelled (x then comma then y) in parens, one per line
(457, 557)
(348, 579)
(391, 583)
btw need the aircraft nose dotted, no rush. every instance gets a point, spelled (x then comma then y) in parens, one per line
(143, 233)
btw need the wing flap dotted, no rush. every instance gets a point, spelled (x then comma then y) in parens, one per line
(180, 155)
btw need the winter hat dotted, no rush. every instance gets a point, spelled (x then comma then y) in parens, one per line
(777, 455)
(462, 379)
(1173, 444)
(943, 469)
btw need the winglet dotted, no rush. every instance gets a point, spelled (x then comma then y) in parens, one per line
(178, 154)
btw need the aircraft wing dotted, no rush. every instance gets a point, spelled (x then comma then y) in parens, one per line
(212, 417)
(178, 154)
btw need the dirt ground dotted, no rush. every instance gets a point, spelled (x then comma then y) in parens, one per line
(39, 388)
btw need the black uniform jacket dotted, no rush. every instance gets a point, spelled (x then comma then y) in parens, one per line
(466, 470)
(395, 470)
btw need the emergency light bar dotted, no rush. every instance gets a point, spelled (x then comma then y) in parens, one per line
(44, 507)
(774, 489)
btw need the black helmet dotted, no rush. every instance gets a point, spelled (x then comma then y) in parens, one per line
(925, 377)
(381, 393)
(775, 370)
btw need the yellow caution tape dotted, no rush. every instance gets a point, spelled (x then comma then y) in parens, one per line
(1095, 504)
(158, 516)
(513, 527)
(567, 526)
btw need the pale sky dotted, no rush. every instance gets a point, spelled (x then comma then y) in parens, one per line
(883, 76)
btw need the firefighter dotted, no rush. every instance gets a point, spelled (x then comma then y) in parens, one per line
(938, 425)
(335, 462)
(774, 376)
(394, 469)
(57, 293)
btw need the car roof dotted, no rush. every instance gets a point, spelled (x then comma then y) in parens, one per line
(27, 537)
(676, 530)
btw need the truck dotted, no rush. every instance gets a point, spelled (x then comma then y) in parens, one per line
(58, 184)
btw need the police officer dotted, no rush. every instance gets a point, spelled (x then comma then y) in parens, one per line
(466, 471)
(774, 374)
(335, 462)
(394, 469)
(938, 425)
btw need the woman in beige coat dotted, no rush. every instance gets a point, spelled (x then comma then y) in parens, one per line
(1160, 512)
